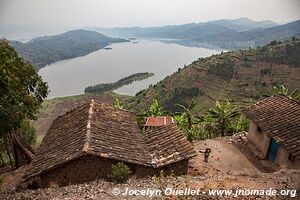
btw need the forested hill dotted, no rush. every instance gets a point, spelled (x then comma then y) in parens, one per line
(226, 33)
(48, 49)
(238, 75)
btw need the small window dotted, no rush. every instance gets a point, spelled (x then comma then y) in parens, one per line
(291, 158)
(258, 129)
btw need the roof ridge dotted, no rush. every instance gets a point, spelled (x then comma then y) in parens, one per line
(273, 96)
(289, 97)
(88, 128)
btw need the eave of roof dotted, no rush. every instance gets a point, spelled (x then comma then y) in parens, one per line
(279, 117)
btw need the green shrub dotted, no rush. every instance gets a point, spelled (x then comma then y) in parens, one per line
(1, 178)
(120, 172)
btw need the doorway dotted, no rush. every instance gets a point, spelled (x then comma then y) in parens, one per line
(273, 149)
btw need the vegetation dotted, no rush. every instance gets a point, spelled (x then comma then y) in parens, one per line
(154, 110)
(42, 51)
(223, 76)
(223, 119)
(120, 172)
(105, 87)
(186, 118)
(28, 133)
(224, 70)
(1, 178)
(225, 34)
(118, 104)
(281, 89)
(22, 92)
(221, 115)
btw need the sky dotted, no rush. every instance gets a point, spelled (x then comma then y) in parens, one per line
(47, 15)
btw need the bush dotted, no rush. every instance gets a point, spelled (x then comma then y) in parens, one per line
(120, 172)
(202, 131)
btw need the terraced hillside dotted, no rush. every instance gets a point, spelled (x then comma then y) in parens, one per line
(237, 75)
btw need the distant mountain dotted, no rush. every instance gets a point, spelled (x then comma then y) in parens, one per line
(226, 33)
(237, 75)
(256, 37)
(42, 51)
(243, 24)
(187, 31)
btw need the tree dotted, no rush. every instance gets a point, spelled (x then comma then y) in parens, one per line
(187, 116)
(281, 89)
(118, 104)
(222, 114)
(28, 133)
(22, 91)
(154, 110)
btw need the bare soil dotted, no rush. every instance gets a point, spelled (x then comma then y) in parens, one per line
(231, 166)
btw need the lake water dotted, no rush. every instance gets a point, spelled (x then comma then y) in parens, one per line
(70, 77)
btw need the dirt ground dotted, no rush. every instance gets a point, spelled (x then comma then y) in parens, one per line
(224, 158)
(231, 166)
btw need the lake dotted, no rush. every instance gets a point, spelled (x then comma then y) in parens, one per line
(70, 77)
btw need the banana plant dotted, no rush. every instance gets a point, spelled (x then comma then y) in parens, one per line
(222, 115)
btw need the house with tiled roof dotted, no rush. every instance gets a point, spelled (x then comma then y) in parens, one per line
(275, 129)
(82, 145)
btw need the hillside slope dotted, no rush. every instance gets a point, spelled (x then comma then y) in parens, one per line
(226, 33)
(257, 36)
(48, 49)
(238, 75)
(187, 31)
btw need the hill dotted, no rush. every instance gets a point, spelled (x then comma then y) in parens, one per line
(255, 37)
(42, 51)
(238, 75)
(187, 31)
(225, 33)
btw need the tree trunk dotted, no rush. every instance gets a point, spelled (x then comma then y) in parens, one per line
(2, 160)
(8, 152)
(23, 153)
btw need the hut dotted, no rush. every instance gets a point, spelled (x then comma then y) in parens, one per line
(275, 129)
(83, 144)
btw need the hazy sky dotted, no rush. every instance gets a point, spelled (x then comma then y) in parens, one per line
(112, 13)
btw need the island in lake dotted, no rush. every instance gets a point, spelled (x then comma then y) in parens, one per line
(105, 87)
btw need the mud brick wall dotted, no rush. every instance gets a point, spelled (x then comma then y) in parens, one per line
(178, 168)
(89, 168)
(84, 169)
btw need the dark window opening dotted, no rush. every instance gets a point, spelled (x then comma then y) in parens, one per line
(291, 158)
(258, 129)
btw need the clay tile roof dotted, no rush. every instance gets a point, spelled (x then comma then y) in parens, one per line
(96, 129)
(159, 121)
(101, 130)
(279, 117)
(167, 145)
